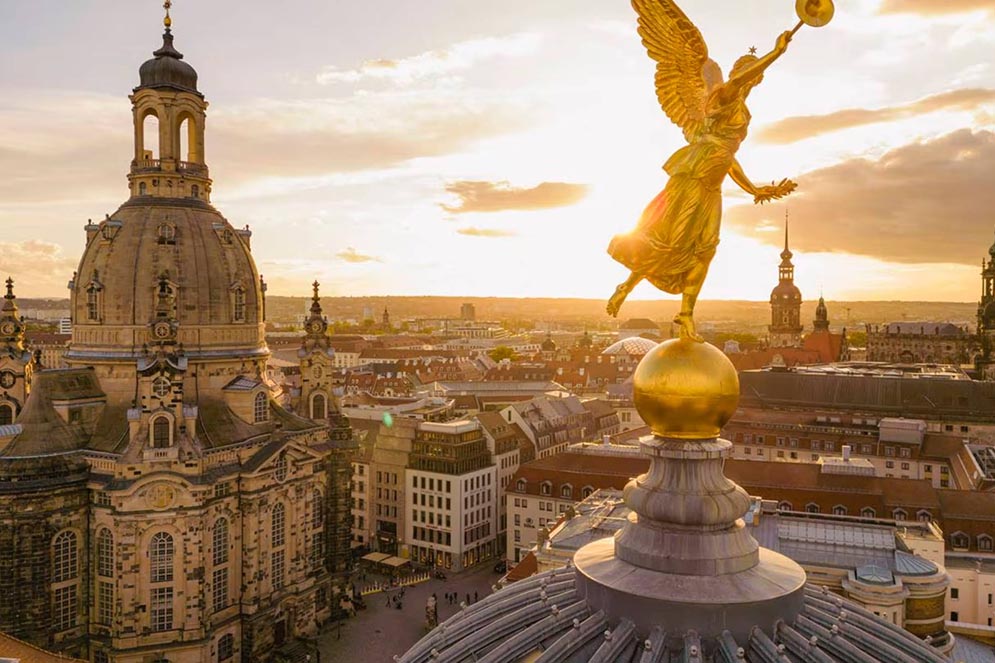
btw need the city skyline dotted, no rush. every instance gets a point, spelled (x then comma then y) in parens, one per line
(453, 144)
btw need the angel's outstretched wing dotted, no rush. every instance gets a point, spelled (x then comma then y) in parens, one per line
(684, 74)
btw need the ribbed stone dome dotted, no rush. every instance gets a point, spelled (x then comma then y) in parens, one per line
(215, 304)
(547, 618)
(167, 68)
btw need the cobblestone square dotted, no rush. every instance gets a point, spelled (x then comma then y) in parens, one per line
(379, 632)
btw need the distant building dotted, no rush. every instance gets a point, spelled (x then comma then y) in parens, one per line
(785, 303)
(65, 325)
(922, 343)
(468, 312)
(639, 327)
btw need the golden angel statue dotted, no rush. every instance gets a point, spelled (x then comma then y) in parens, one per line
(677, 234)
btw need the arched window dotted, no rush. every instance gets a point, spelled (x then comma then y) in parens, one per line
(150, 138)
(959, 540)
(812, 507)
(161, 429)
(278, 531)
(161, 557)
(318, 407)
(143, 189)
(520, 485)
(784, 506)
(185, 135)
(839, 510)
(900, 514)
(260, 410)
(105, 553)
(586, 491)
(6, 414)
(219, 541)
(226, 647)
(545, 488)
(984, 543)
(65, 557)
(238, 304)
(317, 530)
(566, 491)
(194, 191)
(924, 516)
(868, 512)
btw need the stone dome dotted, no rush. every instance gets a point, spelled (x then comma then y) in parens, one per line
(172, 260)
(167, 68)
(634, 346)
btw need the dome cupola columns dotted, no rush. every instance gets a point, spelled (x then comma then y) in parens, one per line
(685, 558)
(169, 115)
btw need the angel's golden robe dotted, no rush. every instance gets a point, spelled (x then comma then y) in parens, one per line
(680, 227)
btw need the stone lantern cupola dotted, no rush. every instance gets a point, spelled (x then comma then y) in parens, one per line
(169, 117)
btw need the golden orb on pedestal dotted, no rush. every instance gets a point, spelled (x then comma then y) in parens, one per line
(685, 389)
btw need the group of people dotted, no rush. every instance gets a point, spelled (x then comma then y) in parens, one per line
(396, 600)
(453, 598)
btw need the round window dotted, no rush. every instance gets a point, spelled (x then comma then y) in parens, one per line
(160, 387)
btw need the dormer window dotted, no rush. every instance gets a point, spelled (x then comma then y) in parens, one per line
(260, 408)
(545, 488)
(566, 491)
(520, 486)
(93, 302)
(167, 234)
(238, 304)
(959, 540)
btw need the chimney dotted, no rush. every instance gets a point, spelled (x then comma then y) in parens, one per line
(846, 453)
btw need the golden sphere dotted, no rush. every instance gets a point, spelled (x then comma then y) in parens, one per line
(685, 389)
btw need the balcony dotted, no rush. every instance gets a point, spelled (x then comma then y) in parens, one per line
(191, 168)
(155, 166)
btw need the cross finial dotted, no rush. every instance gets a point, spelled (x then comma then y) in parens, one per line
(785, 228)
(10, 288)
(753, 49)
(167, 21)
(315, 286)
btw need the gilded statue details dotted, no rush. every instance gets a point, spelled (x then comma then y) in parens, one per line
(678, 232)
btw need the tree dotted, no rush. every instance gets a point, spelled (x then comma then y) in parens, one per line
(502, 352)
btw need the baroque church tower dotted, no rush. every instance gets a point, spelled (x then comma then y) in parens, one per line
(986, 317)
(785, 303)
(166, 507)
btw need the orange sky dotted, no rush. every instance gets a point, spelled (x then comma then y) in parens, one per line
(454, 148)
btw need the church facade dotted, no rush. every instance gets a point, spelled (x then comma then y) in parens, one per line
(156, 502)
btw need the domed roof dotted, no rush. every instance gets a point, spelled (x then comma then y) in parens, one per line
(213, 294)
(547, 614)
(634, 346)
(785, 290)
(548, 345)
(640, 324)
(167, 68)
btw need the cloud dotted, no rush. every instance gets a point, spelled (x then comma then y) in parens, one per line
(46, 160)
(36, 266)
(472, 231)
(792, 129)
(926, 202)
(441, 62)
(350, 254)
(934, 6)
(478, 196)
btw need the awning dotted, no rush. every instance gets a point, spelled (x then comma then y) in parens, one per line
(376, 557)
(395, 561)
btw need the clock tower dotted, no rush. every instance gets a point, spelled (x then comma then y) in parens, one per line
(785, 302)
